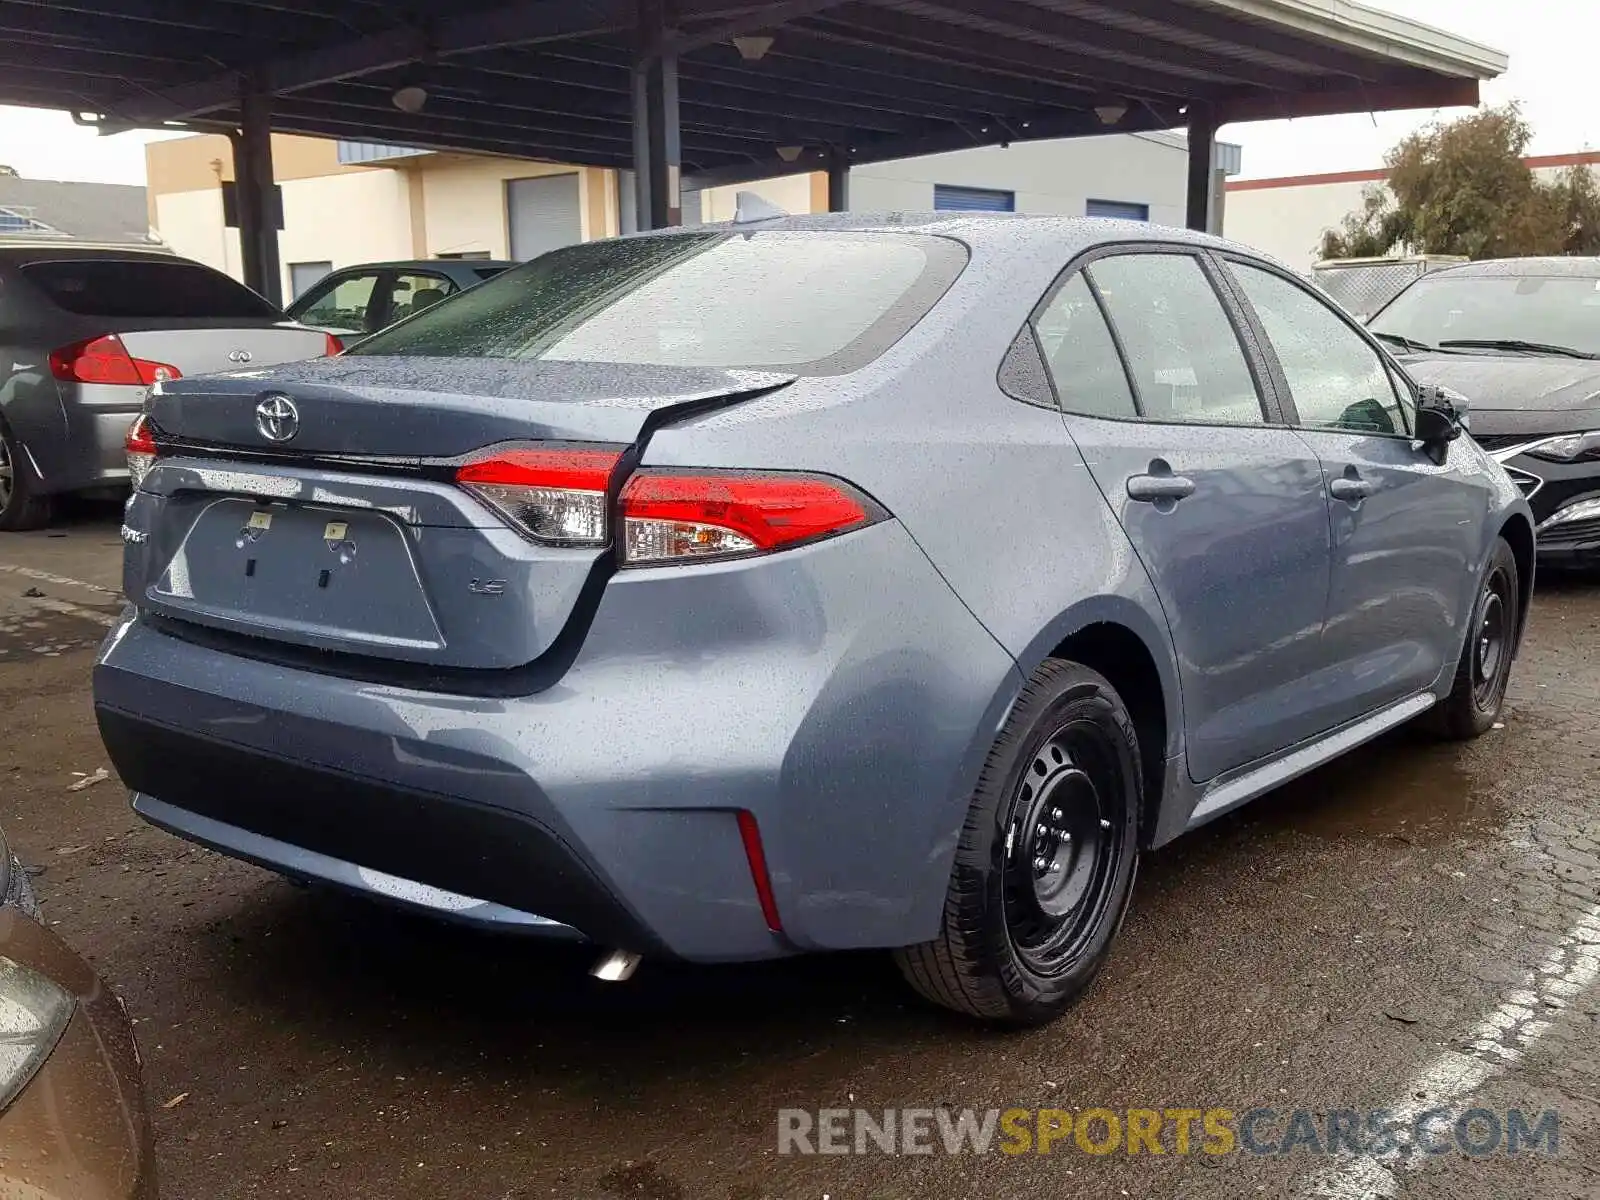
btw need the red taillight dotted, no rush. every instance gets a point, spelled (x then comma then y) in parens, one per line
(673, 517)
(105, 360)
(556, 496)
(141, 448)
(333, 346)
(560, 496)
(750, 834)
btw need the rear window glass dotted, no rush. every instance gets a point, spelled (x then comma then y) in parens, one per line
(488, 272)
(137, 288)
(812, 303)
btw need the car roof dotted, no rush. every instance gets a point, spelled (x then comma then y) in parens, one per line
(989, 235)
(26, 250)
(429, 264)
(1550, 267)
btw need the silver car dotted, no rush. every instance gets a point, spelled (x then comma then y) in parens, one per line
(85, 332)
(807, 584)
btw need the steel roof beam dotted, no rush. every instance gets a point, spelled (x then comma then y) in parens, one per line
(705, 97)
(518, 24)
(1015, 18)
(897, 33)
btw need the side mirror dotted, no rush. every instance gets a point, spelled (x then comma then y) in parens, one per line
(1441, 416)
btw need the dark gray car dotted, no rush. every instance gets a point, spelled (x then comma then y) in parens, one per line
(810, 584)
(84, 332)
(354, 302)
(1520, 339)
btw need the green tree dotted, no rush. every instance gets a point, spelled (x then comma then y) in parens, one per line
(1462, 187)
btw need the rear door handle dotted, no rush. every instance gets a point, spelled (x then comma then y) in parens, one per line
(1149, 489)
(1352, 491)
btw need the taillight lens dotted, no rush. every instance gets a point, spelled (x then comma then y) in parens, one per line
(105, 360)
(333, 346)
(141, 448)
(554, 496)
(673, 516)
(560, 496)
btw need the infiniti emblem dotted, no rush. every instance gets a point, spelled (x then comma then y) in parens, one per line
(277, 418)
(239, 356)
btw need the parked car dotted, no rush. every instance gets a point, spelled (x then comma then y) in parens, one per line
(72, 1111)
(810, 584)
(84, 332)
(353, 302)
(1520, 338)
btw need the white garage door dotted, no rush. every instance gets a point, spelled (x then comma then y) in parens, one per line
(542, 214)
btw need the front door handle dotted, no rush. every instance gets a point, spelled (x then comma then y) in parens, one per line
(1350, 490)
(1151, 489)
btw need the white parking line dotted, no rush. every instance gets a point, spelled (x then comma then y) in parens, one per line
(1498, 1042)
(50, 577)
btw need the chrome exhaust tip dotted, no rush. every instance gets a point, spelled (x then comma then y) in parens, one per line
(616, 967)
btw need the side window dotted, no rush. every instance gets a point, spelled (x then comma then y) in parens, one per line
(340, 305)
(1183, 353)
(1336, 379)
(413, 293)
(1081, 356)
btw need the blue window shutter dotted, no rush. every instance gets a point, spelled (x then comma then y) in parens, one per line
(1118, 209)
(947, 198)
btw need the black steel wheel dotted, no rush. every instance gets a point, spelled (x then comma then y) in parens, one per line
(1047, 858)
(1479, 689)
(1062, 845)
(20, 507)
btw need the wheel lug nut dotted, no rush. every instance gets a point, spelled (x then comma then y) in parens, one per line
(1044, 830)
(1056, 866)
(1055, 814)
(1104, 824)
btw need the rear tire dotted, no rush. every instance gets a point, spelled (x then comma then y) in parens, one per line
(1479, 689)
(20, 507)
(1047, 858)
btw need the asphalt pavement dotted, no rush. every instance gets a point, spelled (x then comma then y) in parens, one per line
(1412, 934)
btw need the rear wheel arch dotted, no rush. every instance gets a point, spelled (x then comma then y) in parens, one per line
(1121, 655)
(1130, 646)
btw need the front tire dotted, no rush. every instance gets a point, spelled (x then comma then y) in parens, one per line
(1479, 689)
(1045, 867)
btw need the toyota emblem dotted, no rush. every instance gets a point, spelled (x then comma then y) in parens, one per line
(277, 419)
(239, 356)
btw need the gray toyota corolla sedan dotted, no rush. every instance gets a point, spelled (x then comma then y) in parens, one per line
(806, 584)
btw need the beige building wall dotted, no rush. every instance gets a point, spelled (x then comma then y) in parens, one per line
(356, 217)
(465, 201)
(796, 194)
(1288, 222)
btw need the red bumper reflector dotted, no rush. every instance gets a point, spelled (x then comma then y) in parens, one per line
(751, 833)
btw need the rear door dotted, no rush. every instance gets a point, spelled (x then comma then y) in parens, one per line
(1406, 530)
(1223, 503)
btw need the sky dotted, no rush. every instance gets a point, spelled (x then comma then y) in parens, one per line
(1551, 44)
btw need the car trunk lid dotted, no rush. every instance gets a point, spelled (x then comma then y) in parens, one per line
(350, 534)
(200, 349)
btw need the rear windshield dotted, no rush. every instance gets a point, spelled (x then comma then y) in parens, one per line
(109, 287)
(488, 272)
(811, 303)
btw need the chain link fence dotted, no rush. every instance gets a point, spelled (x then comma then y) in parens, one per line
(1363, 286)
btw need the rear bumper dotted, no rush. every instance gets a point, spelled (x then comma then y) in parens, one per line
(839, 693)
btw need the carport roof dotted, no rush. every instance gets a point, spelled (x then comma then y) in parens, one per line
(850, 80)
